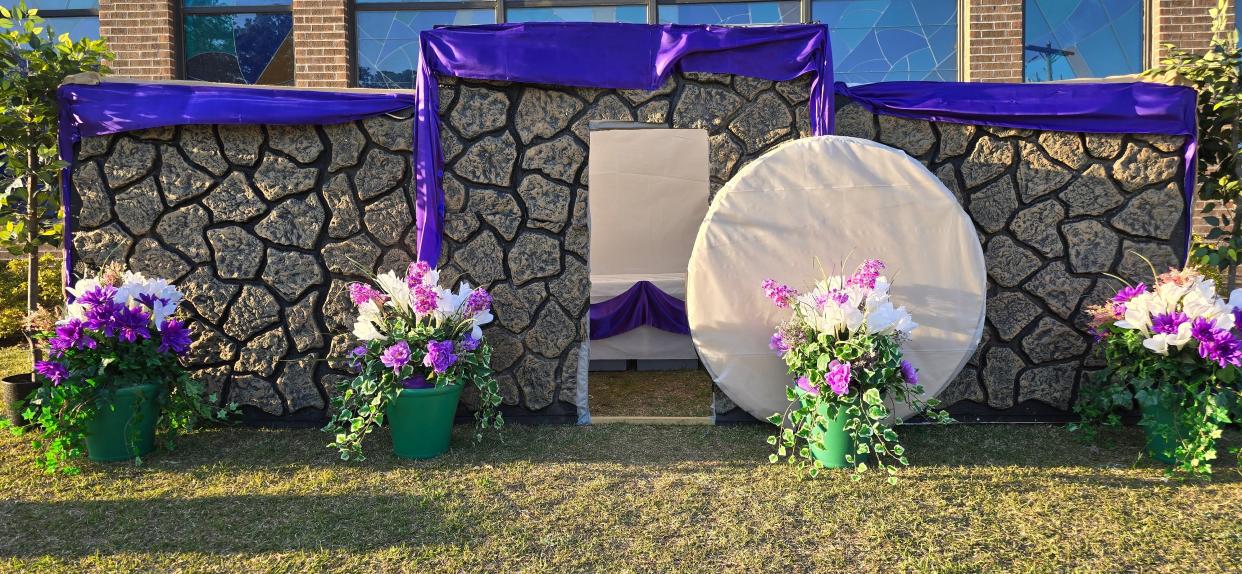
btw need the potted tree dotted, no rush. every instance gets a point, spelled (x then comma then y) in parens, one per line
(842, 346)
(34, 61)
(420, 345)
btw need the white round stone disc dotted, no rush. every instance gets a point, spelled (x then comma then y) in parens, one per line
(837, 200)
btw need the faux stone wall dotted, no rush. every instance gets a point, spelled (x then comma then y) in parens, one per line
(262, 228)
(516, 196)
(1055, 212)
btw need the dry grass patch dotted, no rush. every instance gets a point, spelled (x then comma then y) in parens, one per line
(620, 498)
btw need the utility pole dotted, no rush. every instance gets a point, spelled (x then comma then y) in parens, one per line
(1048, 53)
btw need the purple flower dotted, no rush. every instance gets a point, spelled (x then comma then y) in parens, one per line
(1128, 293)
(132, 323)
(780, 293)
(838, 377)
(396, 356)
(356, 355)
(425, 299)
(359, 351)
(1215, 344)
(149, 300)
(361, 293)
(805, 384)
(867, 274)
(101, 311)
(478, 301)
(52, 371)
(174, 336)
(439, 356)
(778, 344)
(70, 335)
(100, 295)
(1167, 323)
(837, 295)
(909, 373)
(468, 343)
(416, 272)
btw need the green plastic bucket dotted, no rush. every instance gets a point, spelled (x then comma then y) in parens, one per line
(1158, 446)
(109, 434)
(421, 421)
(837, 442)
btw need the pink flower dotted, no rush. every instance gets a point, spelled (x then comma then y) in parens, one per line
(396, 356)
(361, 293)
(838, 377)
(416, 272)
(867, 274)
(425, 299)
(805, 384)
(780, 293)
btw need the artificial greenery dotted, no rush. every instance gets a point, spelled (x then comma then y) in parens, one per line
(1172, 348)
(842, 347)
(121, 331)
(412, 330)
(33, 62)
(1215, 74)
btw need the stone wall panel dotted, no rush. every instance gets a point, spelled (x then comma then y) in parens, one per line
(265, 227)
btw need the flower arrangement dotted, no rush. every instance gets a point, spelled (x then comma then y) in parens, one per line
(1173, 348)
(842, 346)
(413, 334)
(119, 331)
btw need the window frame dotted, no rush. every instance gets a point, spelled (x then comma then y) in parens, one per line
(501, 7)
(71, 13)
(180, 11)
(1146, 31)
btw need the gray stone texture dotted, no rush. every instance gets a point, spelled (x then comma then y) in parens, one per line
(266, 226)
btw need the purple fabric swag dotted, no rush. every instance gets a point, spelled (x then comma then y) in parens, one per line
(642, 304)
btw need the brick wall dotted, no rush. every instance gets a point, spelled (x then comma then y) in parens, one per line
(994, 41)
(142, 34)
(321, 41)
(1184, 23)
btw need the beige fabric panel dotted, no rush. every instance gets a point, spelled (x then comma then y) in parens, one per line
(839, 200)
(643, 343)
(648, 196)
(605, 287)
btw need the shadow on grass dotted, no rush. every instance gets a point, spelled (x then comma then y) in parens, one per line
(665, 447)
(229, 524)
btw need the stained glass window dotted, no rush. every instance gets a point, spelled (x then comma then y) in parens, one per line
(1083, 38)
(634, 14)
(891, 40)
(238, 41)
(735, 13)
(78, 18)
(388, 42)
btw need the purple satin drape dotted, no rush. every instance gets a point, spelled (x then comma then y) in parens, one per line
(599, 55)
(1113, 108)
(114, 107)
(642, 304)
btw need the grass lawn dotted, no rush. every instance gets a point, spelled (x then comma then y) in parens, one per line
(620, 498)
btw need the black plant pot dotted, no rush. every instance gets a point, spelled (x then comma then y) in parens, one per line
(13, 390)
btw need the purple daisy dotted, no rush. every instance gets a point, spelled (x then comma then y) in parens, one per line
(174, 336)
(132, 324)
(1168, 323)
(1215, 344)
(1130, 292)
(440, 356)
(70, 335)
(52, 371)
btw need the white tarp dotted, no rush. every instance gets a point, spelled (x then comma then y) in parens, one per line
(841, 200)
(648, 195)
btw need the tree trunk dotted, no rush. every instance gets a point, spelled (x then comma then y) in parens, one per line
(32, 243)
